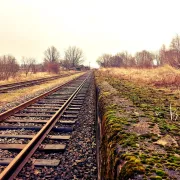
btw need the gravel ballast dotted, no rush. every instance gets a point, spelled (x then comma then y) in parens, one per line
(79, 159)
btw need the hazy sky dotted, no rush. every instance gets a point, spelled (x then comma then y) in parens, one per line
(28, 27)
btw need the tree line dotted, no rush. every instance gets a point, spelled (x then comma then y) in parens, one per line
(144, 58)
(73, 58)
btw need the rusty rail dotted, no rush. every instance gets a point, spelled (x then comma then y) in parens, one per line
(10, 112)
(12, 170)
(12, 86)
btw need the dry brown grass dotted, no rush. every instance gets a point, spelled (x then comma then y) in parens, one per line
(162, 77)
(22, 77)
(17, 94)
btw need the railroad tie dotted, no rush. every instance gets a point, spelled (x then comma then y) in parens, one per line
(68, 122)
(73, 108)
(47, 107)
(42, 147)
(35, 162)
(37, 128)
(32, 115)
(71, 112)
(52, 137)
(69, 116)
(26, 121)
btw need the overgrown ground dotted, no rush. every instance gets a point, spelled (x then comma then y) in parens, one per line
(21, 76)
(140, 123)
(15, 95)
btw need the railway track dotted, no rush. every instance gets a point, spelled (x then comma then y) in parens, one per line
(8, 87)
(41, 125)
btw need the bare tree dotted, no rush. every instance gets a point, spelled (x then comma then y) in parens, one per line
(144, 59)
(74, 56)
(104, 60)
(51, 59)
(66, 64)
(162, 55)
(169, 56)
(8, 67)
(28, 64)
(125, 56)
(175, 51)
(122, 59)
(157, 60)
(107, 60)
(51, 54)
(116, 61)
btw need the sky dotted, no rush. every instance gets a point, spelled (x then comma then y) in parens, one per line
(29, 27)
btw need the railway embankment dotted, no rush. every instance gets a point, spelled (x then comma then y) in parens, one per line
(140, 136)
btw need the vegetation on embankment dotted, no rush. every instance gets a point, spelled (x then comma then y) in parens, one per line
(166, 76)
(140, 126)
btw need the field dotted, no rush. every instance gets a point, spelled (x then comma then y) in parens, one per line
(18, 94)
(140, 113)
(21, 76)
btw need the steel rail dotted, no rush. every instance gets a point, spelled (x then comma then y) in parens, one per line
(12, 170)
(10, 112)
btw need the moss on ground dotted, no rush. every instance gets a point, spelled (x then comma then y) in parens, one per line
(140, 139)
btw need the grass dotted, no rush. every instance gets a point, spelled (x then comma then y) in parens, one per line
(22, 77)
(139, 137)
(165, 76)
(18, 94)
